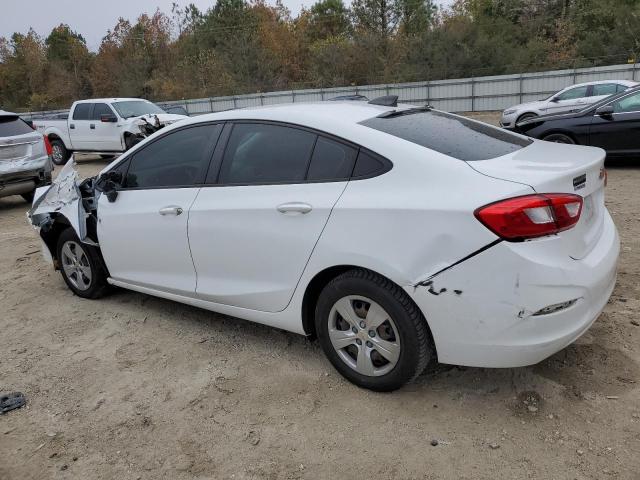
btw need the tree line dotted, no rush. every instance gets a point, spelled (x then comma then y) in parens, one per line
(246, 46)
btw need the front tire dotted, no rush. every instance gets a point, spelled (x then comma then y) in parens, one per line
(60, 154)
(371, 331)
(526, 116)
(81, 266)
(559, 138)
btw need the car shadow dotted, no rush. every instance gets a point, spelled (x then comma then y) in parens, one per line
(582, 371)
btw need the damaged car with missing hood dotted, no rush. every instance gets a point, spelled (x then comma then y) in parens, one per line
(104, 126)
(395, 234)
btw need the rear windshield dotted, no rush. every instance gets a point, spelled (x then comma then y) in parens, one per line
(11, 126)
(457, 137)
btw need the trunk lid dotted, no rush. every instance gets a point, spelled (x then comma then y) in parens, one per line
(20, 147)
(557, 168)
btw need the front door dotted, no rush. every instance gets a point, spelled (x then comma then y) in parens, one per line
(253, 232)
(106, 135)
(572, 99)
(619, 133)
(143, 233)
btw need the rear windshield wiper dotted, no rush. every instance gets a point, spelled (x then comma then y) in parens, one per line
(407, 111)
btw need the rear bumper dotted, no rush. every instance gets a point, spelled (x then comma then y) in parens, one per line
(491, 321)
(25, 176)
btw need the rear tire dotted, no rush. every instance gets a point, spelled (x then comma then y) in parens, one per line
(371, 331)
(60, 153)
(559, 138)
(81, 266)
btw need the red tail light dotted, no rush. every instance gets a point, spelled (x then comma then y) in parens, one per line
(47, 146)
(531, 216)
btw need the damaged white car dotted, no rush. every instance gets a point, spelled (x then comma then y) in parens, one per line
(105, 126)
(397, 235)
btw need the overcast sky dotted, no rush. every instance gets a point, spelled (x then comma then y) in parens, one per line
(92, 18)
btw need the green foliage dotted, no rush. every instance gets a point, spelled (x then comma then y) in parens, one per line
(242, 46)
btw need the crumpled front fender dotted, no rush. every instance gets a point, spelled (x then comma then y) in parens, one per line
(63, 198)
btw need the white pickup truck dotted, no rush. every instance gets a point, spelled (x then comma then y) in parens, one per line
(105, 126)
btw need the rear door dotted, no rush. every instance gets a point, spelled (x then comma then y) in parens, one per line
(105, 135)
(143, 233)
(80, 131)
(619, 133)
(254, 228)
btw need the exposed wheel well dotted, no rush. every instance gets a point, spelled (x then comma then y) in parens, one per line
(50, 237)
(312, 293)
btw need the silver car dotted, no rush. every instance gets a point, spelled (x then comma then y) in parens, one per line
(25, 158)
(571, 98)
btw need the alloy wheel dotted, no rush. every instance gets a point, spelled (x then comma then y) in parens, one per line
(57, 153)
(364, 336)
(76, 266)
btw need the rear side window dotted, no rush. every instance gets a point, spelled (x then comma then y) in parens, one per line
(179, 159)
(82, 111)
(604, 89)
(101, 109)
(368, 164)
(11, 126)
(331, 161)
(259, 153)
(451, 135)
(622, 88)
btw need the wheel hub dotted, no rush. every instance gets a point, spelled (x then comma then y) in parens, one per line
(364, 335)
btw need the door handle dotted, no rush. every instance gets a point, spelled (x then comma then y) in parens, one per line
(294, 208)
(171, 210)
(92, 126)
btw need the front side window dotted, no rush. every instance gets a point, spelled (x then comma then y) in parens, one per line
(572, 94)
(260, 153)
(82, 111)
(178, 159)
(101, 109)
(136, 108)
(627, 104)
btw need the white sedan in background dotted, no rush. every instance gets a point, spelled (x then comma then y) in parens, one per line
(395, 234)
(571, 98)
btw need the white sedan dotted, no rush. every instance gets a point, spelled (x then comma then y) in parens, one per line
(397, 235)
(574, 97)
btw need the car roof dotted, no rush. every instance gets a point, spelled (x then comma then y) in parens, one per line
(94, 100)
(326, 116)
(599, 82)
(4, 113)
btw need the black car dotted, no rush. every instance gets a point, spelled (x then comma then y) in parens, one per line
(612, 124)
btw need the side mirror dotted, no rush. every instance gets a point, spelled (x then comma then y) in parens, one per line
(605, 111)
(554, 100)
(109, 183)
(108, 118)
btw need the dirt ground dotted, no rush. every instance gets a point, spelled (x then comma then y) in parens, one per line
(136, 387)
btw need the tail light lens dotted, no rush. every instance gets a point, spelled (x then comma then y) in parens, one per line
(47, 146)
(531, 216)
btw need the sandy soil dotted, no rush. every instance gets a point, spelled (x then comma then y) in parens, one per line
(135, 387)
